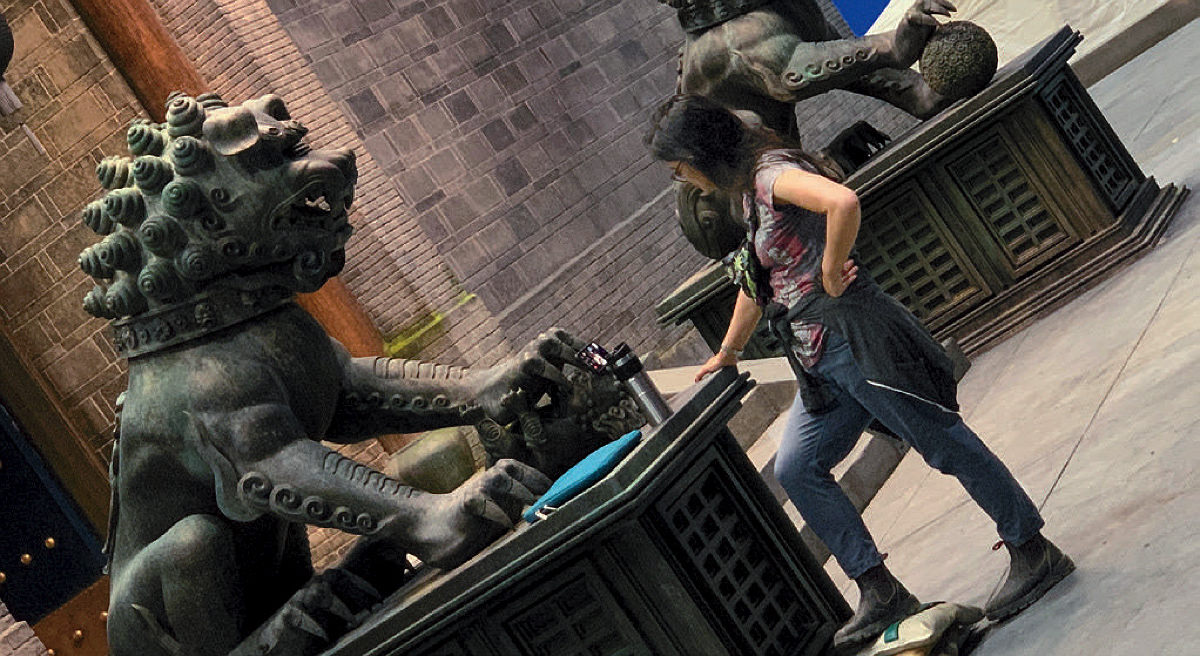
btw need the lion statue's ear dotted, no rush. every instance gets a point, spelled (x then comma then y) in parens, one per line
(271, 105)
(231, 130)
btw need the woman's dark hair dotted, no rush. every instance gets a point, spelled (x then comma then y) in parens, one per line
(711, 138)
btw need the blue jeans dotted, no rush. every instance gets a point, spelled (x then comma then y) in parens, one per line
(813, 444)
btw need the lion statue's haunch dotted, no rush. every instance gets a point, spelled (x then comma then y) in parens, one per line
(221, 216)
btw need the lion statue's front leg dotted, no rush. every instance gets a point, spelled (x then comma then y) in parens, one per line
(771, 57)
(237, 555)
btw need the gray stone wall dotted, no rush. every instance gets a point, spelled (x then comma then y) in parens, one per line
(512, 131)
(821, 119)
(240, 48)
(499, 142)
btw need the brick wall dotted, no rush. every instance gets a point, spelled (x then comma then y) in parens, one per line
(17, 638)
(823, 117)
(240, 48)
(436, 245)
(512, 131)
(498, 142)
(78, 108)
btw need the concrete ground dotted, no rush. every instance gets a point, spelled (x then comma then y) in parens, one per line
(1096, 409)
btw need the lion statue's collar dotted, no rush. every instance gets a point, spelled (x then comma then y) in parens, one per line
(208, 312)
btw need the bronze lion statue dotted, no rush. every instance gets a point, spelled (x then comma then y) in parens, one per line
(223, 214)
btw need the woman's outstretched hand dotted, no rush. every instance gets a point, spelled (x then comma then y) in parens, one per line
(718, 360)
(836, 282)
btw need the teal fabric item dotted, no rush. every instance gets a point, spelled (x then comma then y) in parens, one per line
(584, 474)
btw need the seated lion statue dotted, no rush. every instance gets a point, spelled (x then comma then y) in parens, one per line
(220, 217)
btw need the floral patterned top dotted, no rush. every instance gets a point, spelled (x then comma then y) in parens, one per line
(780, 261)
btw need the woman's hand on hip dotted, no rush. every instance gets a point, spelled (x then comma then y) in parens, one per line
(836, 281)
(718, 360)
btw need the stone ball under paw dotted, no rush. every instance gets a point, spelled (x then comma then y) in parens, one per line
(959, 60)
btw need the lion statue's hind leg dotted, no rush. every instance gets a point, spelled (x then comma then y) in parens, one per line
(185, 574)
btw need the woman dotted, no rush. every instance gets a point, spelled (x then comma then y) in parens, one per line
(858, 353)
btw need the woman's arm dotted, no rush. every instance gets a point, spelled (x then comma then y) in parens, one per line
(839, 204)
(745, 317)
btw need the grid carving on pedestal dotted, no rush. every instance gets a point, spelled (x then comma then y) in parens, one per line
(909, 259)
(1090, 142)
(450, 648)
(572, 621)
(755, 599)
(1004, 196)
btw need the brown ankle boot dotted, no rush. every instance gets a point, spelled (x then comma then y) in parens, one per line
(1035, 566)
(882, 600)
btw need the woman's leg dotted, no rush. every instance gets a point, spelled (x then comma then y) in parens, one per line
(949, 446)
(811, 446)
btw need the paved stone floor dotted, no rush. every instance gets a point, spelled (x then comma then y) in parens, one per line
(1096, 409)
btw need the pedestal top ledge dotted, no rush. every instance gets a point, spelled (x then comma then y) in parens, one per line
(430, 603)
(1014, 81)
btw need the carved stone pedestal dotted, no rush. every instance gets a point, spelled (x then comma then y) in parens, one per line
(681, 550)
(995, 211)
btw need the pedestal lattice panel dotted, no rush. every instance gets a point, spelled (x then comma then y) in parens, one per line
(574, 620)
(681, 551)
(1006, 200)
(755, 600)
(1110, 168)
(456, 647)
(573, 614)
(901, 245)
